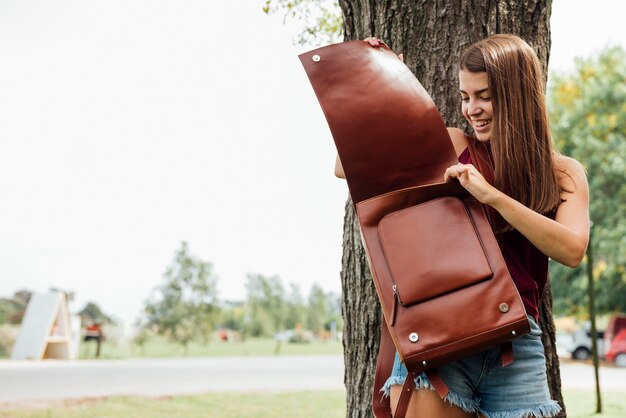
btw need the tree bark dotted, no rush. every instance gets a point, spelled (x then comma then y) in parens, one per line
(548, 338)
(432, 36)
(362, 319)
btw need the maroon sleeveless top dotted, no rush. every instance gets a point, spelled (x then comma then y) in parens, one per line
(528, 266)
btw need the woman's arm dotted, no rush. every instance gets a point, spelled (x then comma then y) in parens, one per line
(458, 140)
(339, 168)
(563, 239)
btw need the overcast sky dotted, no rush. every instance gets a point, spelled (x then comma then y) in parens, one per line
(129, 126)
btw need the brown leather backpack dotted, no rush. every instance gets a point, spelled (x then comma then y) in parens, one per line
(443, 284)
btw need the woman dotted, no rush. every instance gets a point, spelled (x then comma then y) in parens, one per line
(538, 206)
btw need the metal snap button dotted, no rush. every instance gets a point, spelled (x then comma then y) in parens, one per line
(316, 58)
(504, 307)
(413, 337)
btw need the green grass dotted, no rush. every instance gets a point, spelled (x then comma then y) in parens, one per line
(261, 405)
(159, 347)
(228, 405)
(582, 403)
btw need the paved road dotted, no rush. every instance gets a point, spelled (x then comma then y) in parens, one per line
(55, 380)
(575, 375)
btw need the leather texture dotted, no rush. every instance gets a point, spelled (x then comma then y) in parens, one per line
(437, 267)
(456, 323)
(388, 132)
(423, 269)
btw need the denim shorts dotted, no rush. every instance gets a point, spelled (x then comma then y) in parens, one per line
(479, 383)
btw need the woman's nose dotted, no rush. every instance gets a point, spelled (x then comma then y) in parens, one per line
(473, 109)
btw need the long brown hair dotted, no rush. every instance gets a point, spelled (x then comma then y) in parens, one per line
(521, 144)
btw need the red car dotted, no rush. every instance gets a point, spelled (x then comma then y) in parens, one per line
(617, 349)
(614, 340)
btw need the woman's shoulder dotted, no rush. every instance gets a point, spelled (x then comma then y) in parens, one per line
(568, 165)
(569, 170)
(458, 140)
(563, 162)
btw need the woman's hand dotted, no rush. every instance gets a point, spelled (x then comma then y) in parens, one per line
(472, 181)
(373, 41)
(377, 42)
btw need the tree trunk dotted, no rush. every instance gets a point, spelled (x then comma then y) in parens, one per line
(362, 319)
(431, 35)
(548, 338)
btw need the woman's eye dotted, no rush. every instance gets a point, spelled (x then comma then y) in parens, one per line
(465, 99)
(485, 98)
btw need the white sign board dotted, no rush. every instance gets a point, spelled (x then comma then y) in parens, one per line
(45, 331)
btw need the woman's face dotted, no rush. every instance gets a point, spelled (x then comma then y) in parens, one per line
(476, 103)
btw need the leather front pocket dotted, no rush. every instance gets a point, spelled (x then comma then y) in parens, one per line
(431, 249)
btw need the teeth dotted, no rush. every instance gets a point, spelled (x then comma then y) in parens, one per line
(481, 123)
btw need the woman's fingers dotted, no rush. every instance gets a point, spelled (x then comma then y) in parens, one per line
(457, 171)
(464, 172)
(451, 172)
(373, 41)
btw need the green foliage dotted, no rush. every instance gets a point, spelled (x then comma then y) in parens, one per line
(270, 309)
(317, 404)
(8, 334)
(266, 305)
(185, 305)
(91, 313)
(232, 316)
(319, 309)
(296, 311)
(588, 115)
(329, 404)
(322, 19)
(12, 309)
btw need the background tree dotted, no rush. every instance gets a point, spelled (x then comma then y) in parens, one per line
(23, 296)
(185, 305)
(296, 310)
(321, 19)
(318, 310)
(12, 309)
(266, 305)
(232, 315)
(142, 335)
(431, 35)
(334, 306)
(91, 313)
(588, 116)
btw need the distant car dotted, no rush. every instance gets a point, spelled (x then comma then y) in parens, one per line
(617, 349)
(579, 346)
(617, 323)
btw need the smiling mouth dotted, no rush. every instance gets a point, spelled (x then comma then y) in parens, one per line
(481, 123)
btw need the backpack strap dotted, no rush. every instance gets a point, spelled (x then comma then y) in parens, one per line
(405, 395)
(506, 353)
(435, 379)
(381, 405)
